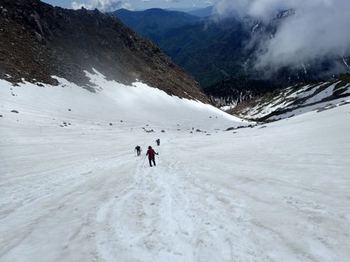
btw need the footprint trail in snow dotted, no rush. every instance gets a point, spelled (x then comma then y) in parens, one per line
(168, 215)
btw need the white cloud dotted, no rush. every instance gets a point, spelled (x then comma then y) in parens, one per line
(320, 28)
(102, 5)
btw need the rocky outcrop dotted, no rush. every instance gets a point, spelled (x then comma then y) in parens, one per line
(296, 100)
(38, 41)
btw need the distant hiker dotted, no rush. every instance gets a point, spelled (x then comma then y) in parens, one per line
(138, 150)
(158, 142)
(151, 156)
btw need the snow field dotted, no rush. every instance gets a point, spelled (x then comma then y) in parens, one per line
(79, 193)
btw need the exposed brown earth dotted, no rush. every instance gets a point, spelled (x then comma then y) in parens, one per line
(38, 41)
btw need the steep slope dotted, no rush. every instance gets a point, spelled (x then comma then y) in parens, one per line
(295, 100)
(38, 41)
(112, 102)
(73, 190)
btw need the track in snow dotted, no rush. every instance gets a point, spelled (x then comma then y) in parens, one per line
(278, 193)
(166, 215)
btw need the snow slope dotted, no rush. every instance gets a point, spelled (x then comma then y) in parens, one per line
(298, 100)
(77, 192)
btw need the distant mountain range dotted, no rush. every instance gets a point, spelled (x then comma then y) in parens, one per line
(210, 51)
(155, 23)
(219, 53)
(202, 12)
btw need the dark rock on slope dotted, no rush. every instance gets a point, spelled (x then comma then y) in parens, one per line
(38, 41)
(238, 90)
(294, 100)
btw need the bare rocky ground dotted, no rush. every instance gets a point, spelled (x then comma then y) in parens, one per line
(38, 41)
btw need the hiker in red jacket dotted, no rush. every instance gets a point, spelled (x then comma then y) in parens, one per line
(151, 156)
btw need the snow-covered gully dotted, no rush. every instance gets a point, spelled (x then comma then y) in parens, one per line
(278, 192)
(167, 215)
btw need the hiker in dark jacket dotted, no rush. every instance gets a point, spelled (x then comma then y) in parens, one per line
(151, 156)
(158, 142)
(138, 150)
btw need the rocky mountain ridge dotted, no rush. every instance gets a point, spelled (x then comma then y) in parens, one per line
(295, 100)
(38, 41)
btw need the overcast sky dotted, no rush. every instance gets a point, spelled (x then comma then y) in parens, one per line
(132, 4)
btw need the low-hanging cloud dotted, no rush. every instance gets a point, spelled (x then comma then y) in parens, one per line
(318, 29)
(102, 5)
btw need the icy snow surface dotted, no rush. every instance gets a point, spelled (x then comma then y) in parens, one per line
(77, 192)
